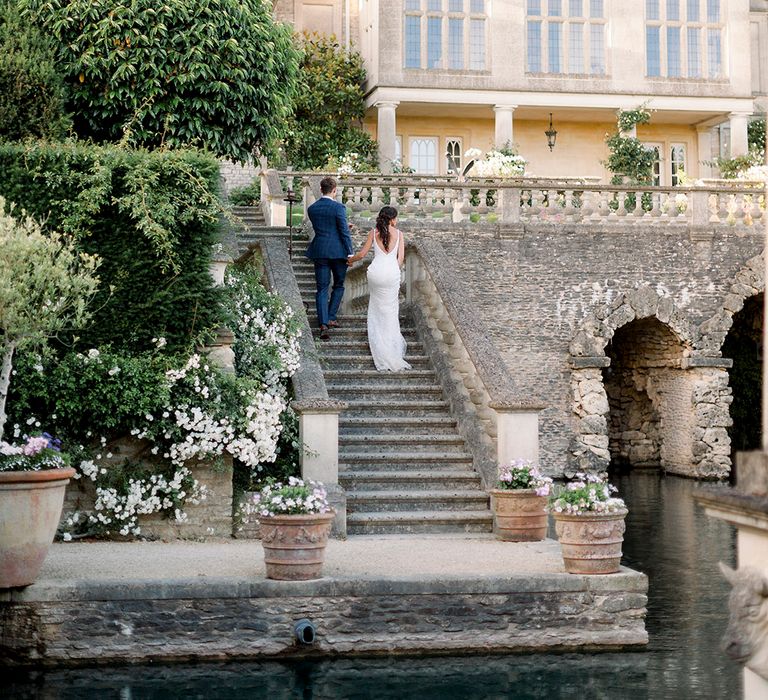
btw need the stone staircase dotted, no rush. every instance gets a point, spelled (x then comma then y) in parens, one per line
(402, 461)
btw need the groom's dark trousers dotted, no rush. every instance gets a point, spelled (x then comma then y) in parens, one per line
(329, 250)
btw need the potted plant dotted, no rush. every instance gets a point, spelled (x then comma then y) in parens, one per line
(33, 478)
(589, 522)
(520, 502)
(295, 521)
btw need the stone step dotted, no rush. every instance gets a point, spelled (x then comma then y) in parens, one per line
(390, 459)
(383, 390)
(396, 409)
(396, 379)
(337, 361)
(359, 341)
(409, 501)
(427, 443)
(360, 332)
(436, 425)
(419, 522)
(443, 479)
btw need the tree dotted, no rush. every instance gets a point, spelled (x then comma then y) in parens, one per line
(219, 74)
(329, 107)
(31, 89)
(630, 160)
(45, 286)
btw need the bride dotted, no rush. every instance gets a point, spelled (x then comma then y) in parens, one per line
(384, 337)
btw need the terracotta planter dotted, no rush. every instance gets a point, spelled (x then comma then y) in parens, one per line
(520, 515)
(30, 510)
(294, 545)
(591, 542)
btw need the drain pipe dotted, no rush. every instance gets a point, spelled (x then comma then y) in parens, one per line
(305, 632)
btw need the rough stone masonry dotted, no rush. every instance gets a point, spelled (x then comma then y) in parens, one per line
(617, 329)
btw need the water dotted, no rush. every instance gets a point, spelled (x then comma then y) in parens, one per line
(668, 537)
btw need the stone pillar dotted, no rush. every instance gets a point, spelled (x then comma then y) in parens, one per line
(739, 144)
(386, 134)
(704, 134)
(517, 428)
(319, 456)
(504, 133)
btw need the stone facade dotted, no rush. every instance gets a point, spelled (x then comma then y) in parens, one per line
(552, 298)
(237, 175)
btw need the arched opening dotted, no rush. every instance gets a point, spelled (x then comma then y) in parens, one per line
(744, 345)
(650, 414)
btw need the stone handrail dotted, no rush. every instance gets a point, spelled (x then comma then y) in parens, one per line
(497, 420)
(445, 200)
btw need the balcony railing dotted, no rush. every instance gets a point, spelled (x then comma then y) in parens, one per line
(443, 201)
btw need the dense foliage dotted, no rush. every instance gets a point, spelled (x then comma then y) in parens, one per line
(31, 87)
(151, 217)
(212, 73)
(329, 107)
(46, 284)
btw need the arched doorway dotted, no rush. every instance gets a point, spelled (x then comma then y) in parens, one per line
(744, 345)
(649, 397)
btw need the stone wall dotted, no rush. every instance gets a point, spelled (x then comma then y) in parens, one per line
(230, 619)
(551, 298)
(236, 175)
(211, 518)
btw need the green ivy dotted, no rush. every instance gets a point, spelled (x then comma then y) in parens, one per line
(248, 196)
(212, 73)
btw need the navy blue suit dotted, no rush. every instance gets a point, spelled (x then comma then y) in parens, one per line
(329, 250)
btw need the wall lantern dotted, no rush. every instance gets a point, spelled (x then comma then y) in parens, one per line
(551, 134)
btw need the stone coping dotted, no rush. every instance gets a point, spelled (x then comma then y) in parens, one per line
(734, 505)
(489, 364)
(319, 406)
(626, 580)
(309, 381)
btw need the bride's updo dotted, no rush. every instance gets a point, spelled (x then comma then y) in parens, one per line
(386, 216)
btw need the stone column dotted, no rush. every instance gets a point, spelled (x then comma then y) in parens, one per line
(704, 134)
(739, 122)
(386, 134)
(517, 428)
(319, 456)
(504, 133)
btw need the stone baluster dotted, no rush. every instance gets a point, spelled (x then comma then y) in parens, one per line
(509, 199)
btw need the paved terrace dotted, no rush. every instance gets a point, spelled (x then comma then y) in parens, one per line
(138, 601)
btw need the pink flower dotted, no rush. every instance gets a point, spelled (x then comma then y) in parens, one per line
(35, 445)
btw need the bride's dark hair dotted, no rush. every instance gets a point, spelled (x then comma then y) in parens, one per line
(386, 215)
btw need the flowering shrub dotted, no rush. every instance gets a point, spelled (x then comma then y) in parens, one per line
(587, 493)
(496, 163)
(123, 493)
(522, 474)
(350, 163)
(297, 497)
(37, 453)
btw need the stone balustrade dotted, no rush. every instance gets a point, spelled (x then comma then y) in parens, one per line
(446, 200)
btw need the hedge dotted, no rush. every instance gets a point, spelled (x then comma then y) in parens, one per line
(152, 216)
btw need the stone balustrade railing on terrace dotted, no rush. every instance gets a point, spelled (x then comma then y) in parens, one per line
(440, 201)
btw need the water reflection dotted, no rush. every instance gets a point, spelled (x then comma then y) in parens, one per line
(668, 537)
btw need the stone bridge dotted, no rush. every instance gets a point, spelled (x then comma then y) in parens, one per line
(609, 306)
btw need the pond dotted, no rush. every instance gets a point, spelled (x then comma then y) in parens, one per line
(668, 537)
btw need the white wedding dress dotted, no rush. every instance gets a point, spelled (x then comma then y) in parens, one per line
(384, 337)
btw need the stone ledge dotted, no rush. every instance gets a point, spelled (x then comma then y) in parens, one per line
(319, 406)
(204, 587)
(597, 361)
(691, 362)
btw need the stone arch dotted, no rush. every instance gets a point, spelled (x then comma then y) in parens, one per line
(684, 450)
(748, 282)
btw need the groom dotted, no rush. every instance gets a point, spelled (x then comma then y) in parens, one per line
(329, 250)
